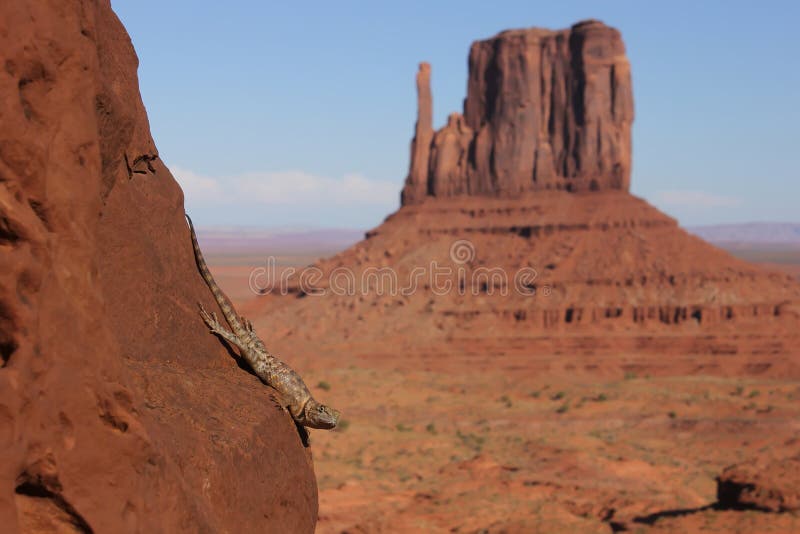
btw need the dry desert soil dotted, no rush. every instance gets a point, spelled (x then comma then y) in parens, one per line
(466, 439)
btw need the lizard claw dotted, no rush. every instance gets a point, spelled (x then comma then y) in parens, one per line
(210, 319)
(204, 313)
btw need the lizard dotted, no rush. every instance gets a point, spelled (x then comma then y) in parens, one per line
(296, 397)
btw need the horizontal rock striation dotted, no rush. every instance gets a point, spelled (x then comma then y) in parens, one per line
(598, 266)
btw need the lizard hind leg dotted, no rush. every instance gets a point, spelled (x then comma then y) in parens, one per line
(216, 328)
(210, 319)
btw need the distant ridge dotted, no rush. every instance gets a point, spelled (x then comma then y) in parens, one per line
(301, 240)
(754, 232)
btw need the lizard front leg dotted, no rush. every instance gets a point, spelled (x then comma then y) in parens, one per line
(216, 328)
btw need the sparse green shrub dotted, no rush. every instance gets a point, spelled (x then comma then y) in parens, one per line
(630, 375)
(558, 396)
(564, 408)
(473, 441)
(430, 428)
(403, 428)
(324, 385)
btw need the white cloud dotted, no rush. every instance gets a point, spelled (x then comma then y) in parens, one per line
(288, 188)
(288, 197)
(689, 198)
(196, 186)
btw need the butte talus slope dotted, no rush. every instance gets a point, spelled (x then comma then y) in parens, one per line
(119, 412)
(534, 176)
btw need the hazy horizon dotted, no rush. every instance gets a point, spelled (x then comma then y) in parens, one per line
(277, 115)
(285, 229)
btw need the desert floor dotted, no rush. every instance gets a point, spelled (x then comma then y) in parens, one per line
(445, 441)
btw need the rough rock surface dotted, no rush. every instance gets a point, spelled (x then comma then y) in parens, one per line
(423, 135)
(544, 110)
(118, 411)
(773, 486)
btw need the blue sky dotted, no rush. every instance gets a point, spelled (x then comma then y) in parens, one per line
(281, 114)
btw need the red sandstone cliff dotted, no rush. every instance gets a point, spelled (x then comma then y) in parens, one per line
(118, 411)
(544, 110)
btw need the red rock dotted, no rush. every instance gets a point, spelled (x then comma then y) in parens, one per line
(417, 181)
(770, 486)
(448, 158)
(118, 411)
(545, 110)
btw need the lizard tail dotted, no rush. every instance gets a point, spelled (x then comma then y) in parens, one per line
(222, 299)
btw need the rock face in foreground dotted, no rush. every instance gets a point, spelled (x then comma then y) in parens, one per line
(544, 110)
(118, 411)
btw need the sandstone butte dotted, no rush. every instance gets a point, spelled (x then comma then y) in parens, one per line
(533, 179)
(117, 412)
(545, 110)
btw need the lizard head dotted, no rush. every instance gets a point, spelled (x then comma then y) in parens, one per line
(317, 415)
